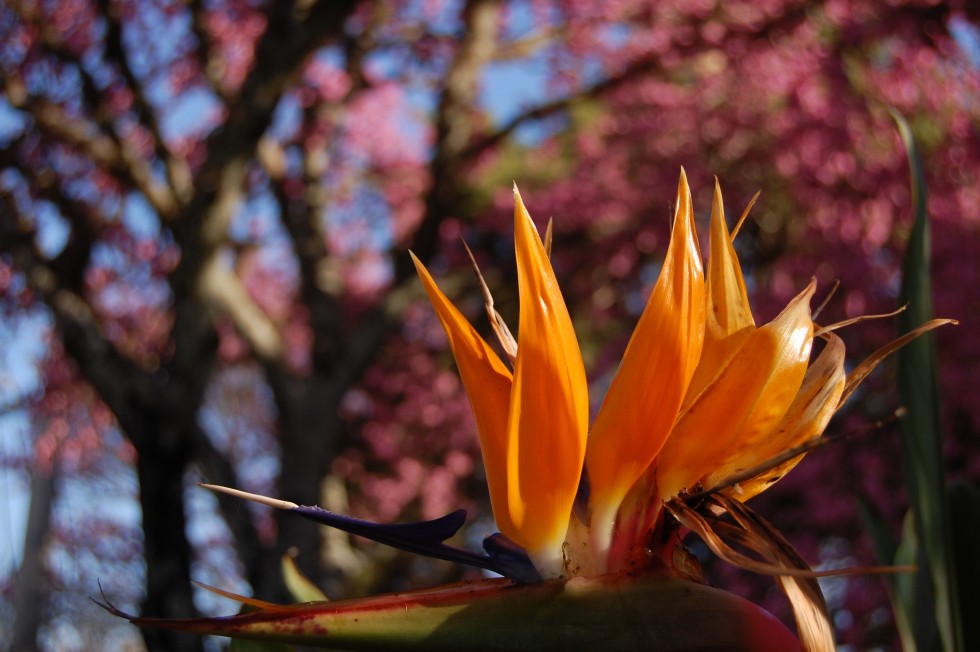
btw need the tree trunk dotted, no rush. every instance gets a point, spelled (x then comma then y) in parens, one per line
(306, 426)
(30, 590)
(161, 465)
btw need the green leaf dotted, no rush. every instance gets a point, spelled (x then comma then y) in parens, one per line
(889, 551)
(882, 541)
(914, 592)
(921, 435)
(606, 613)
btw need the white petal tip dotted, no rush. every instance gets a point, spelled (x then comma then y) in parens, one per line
(255, 498)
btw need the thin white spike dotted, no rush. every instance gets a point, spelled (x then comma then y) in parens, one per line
(255, 498)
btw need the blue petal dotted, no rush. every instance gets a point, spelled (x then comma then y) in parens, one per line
(510, 560)
(425, 538)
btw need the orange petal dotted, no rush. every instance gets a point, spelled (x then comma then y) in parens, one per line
(549, 406)
(728, 317)
(728, 302)
(488, 384)
(806, 418)
(745, 398)
(642, 402)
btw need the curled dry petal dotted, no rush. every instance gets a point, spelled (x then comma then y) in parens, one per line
(860, 372)
(793, 574)
(809, 607)
(504, 337)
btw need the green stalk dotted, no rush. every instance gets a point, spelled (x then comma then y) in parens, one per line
(606, 613)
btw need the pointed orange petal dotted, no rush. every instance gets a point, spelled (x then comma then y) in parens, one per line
(806, 418)
(728, 302)
(747, 397)
(728, 318)
(549, 406)
(488, 383)
(643, 399)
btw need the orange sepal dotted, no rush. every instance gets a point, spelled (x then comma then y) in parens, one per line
(549, 405)
(744, 398)
(806, 418)
(728, 315)
(488, 385)
(728, 302)
(643, 399)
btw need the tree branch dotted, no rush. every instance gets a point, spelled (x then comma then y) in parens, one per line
(31, 584)
(302, 216)
(553, 107)
(210, 70)
(178, 172)
(99, 141)
(289, 38)
(102, 150)
(222, 286)
(284, 46)
(116, 378)
(69, 265)
(454, 126)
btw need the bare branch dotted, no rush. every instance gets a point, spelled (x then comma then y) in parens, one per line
(69, 265)
(16, 404)
(210, 68)
(103, 150)
(115, 377)
(222, 286)
(99, 141)
(302, 216)
(549, 109)
(284, 46)
(525, 47)
(178, 172)
(635, 69)
(287, 41)
(454, 126)
(357, 47)
(30, 584)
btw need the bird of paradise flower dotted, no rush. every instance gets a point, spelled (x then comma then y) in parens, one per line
(706, 410)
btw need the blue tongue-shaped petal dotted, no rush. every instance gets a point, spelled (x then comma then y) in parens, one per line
(436, 530)
(421, 537)
(510, 560)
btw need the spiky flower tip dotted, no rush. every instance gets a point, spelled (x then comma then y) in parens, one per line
(702, 395)
(706, 410)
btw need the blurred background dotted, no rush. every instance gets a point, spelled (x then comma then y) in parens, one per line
(205, 212)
